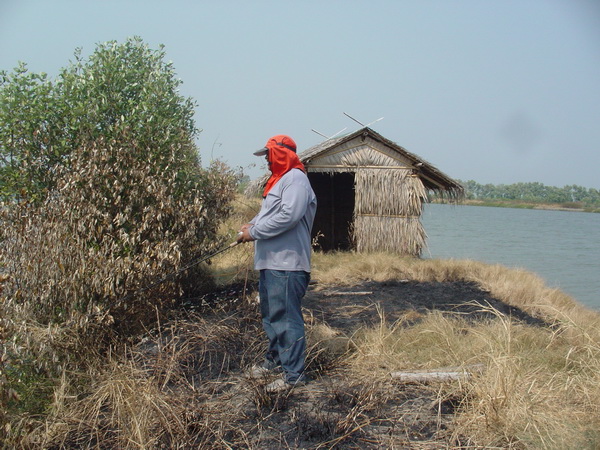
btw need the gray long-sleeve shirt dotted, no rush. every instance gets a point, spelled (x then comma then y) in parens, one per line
(282, 228)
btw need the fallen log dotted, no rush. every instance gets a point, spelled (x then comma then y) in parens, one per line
(349, 293)
(441, 374)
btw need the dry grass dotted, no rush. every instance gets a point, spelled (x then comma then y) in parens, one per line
(515, 287)
(165, 392)
(183, 384)
(541, 385)
(537, 388)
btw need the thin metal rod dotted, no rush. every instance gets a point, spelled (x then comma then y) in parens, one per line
(348, 115)
(320, 134)
(369, 124)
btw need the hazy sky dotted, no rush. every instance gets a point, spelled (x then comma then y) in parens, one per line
(494, 91)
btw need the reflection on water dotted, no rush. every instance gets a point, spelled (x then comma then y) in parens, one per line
(561, 247)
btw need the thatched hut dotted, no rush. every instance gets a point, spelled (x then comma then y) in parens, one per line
(370, 193)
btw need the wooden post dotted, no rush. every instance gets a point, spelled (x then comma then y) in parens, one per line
(441, 374)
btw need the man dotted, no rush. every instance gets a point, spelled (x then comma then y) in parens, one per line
(282, 251)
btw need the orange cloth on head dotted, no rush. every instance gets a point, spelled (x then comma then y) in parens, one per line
(281, 161)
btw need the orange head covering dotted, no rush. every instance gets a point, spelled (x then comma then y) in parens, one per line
(281, 151)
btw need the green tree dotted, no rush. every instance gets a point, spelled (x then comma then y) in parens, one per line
(127, 86)
(534, 192)
(121, 88)
(29, 130)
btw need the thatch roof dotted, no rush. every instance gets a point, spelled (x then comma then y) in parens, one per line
(432, 178)
(394, 157)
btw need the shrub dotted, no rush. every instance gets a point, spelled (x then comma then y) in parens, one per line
(120, 87)
(113, 225)
(105, 195)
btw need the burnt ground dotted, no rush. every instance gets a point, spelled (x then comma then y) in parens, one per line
(198, 360)
(333, 410)
(348, 308)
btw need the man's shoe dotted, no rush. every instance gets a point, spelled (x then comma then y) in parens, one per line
(260, 371)
(280, 385)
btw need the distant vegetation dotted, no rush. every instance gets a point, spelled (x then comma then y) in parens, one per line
(532, 195)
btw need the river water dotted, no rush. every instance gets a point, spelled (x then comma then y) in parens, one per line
(563, 247)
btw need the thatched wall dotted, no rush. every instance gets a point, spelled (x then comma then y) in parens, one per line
(387, 211)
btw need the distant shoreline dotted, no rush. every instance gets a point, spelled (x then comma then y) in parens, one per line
(525, 205)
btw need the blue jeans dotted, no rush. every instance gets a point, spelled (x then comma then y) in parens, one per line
(281, 292)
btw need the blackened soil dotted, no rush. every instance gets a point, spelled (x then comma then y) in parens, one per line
(350, 307)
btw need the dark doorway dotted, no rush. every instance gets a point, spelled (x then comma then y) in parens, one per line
(335, 209)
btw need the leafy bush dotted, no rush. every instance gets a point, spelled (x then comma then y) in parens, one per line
(120, 87)
(113, 225)
(77, 261)
(103, 194)
(28, 123)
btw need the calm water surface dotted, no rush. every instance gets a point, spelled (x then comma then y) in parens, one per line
(562, 247)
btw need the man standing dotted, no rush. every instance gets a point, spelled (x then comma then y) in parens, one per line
(282, 251)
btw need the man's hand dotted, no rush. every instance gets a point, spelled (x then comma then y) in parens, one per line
(244, 234)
